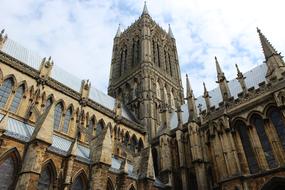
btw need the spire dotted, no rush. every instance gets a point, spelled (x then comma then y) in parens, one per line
(191, 101)
(118, 34)
(268, 49)
(274, 61)
(170, 31)
(145, 11)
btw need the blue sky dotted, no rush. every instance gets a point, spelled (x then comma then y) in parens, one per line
(78, 34)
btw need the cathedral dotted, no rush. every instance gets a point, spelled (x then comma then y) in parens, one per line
(58, 132)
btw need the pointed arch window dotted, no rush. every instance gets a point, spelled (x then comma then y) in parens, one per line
(17, 99)
(257, 121)
(166, 61)
(67, 119)
(91, 124)
(134, 52)
(127, 138)
(7, 167)
(57, 115)
(138, 52)
(140, 145)
(247, 147)
(158, 55)
(5, 91)
(169, 62)
(134, 143)
(121, 63)
(154, 52)
(99, 128)
(48, 103)
(78, 183)
(277, 120)
(125, 60)
(46, 178)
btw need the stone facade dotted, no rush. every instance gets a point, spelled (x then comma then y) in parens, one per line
(61, 133)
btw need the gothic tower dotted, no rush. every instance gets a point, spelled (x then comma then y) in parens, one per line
(145, 73)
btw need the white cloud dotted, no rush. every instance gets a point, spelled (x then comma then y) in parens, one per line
(79, 34)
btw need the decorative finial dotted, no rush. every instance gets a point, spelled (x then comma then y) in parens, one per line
(145, 11)
(238, 71)
(170, 33)
(3, 38)
(118, 34)
(258, 30)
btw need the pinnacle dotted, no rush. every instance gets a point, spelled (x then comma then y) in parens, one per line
(118, 31)
(238, 71)
(218, 67)
(268, 49)
(145, 10)
(170, 33)
(188, 87)
(205, 89)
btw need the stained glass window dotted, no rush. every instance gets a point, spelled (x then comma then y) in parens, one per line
(247, 147)
(57, 115)
(5, 91)
(276, 119)
(17, 99)
(78, 184)
(257, 121)
(67, 119)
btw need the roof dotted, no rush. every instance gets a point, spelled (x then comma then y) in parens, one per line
(23, 132)
(253, 78)
(34, 60)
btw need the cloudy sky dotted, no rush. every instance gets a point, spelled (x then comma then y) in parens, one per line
(78, 34)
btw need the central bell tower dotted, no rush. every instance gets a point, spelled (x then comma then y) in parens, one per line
(145, 73)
